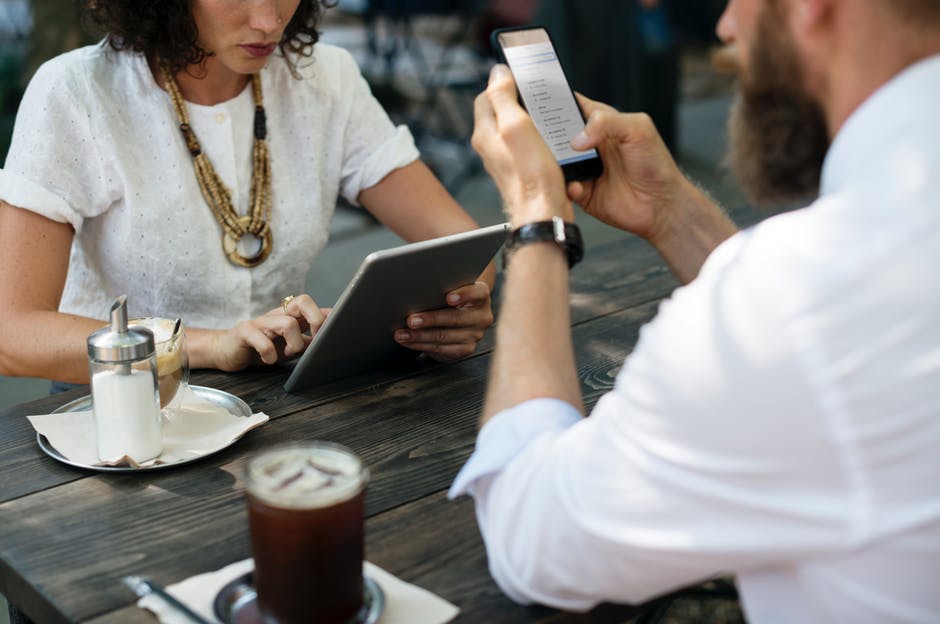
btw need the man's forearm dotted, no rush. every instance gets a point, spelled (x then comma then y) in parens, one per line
(534, 355)
(691, 231)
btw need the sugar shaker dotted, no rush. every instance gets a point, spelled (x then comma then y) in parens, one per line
(126, 401)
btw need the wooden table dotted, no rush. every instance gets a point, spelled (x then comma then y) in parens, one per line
(67, 536)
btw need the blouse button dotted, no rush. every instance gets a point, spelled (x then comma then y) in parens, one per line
(220, 117)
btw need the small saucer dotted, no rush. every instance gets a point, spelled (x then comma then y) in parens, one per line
(229, 402)
(237, 602)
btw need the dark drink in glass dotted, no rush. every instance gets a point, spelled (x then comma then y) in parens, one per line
(305, 514)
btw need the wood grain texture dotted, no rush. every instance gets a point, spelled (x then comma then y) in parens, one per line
(70, 535)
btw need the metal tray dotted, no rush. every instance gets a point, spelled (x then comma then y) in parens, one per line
(237, 602)
(230, 402)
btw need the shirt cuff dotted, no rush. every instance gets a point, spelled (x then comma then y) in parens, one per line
(505, 436)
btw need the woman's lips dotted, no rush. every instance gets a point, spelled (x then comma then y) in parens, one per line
(259, 49)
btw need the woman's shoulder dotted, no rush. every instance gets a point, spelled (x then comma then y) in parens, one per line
(89, 70)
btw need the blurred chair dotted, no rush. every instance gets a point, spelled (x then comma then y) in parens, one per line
(426, 67)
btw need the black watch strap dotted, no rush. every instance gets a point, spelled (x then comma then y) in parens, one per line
(565, 235)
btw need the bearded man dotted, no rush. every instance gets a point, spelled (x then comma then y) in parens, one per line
(779, 419)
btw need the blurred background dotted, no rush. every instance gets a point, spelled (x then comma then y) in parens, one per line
(427, 59)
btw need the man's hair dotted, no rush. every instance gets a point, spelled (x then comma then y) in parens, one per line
(165, 29)
(916, 11)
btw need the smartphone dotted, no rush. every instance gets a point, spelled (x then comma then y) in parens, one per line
(546, 95)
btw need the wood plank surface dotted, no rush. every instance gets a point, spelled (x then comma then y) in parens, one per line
(615, 277)
(70, 535)
(80, 538)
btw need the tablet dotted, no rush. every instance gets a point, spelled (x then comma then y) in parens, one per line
(389, 285)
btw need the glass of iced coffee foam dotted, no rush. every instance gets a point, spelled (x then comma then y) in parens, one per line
(172, 360)
(305, 515)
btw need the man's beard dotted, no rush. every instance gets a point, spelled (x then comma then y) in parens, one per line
(778, 133)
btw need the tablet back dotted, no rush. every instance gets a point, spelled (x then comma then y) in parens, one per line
(389, 285)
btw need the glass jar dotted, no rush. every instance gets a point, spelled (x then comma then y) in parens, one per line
(125, 398)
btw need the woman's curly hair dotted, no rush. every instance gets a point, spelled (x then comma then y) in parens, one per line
(165, 29)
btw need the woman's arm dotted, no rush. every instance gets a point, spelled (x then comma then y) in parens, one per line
(416, 206)
(37, 340)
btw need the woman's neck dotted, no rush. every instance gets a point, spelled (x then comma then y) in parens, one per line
(207, 84)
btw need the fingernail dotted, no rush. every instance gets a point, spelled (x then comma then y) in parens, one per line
(499, 71)
(453, 299)
(402, 336)
(580, 142)
(416, 321)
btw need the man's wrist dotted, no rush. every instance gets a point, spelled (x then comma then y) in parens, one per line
(565, 236)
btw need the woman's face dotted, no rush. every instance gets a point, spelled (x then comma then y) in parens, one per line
(242, 34)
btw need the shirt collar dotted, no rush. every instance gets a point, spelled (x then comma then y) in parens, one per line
(906, 102)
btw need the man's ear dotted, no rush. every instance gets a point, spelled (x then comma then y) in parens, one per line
(808, 15)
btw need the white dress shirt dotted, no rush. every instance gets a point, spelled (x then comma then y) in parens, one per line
(97, 145)
(779, 419)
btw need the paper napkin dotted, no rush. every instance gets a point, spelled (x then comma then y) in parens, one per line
(194, 429)
(404, 603)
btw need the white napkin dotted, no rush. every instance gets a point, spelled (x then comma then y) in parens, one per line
(194, 429)
(404, 603)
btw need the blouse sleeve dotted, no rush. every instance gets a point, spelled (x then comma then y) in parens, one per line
(374, 146)
(54, 166)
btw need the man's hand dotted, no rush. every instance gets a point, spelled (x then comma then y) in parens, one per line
(641, 181)
(642, 190)
(515, 155)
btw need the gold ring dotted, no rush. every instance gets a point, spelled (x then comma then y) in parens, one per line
(286, 302)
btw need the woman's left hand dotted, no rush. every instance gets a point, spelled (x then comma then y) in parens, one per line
(450, 333)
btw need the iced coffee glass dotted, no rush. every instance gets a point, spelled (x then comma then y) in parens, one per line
(172, 360)
(305, 515)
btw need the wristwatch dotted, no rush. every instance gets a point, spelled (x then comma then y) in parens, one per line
(566, 235)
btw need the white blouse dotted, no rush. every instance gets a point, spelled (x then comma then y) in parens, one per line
(97, 145)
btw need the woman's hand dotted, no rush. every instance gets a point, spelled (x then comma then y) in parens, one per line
(281, 333)
(450, 333)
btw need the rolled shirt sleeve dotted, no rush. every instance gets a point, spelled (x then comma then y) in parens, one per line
(65, 179)
(374, 146)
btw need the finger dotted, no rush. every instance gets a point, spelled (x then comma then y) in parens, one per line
(290, 330)
(255, 337)
(588, 105)
(481, 317)
(439, 335)
(305, 309)
(471, 295)
(285, 332)
(484, 123)
(580, 192)
(308, 309)
(504, 98)
(443, 351)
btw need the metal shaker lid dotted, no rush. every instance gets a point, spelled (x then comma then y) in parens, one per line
(118, 342)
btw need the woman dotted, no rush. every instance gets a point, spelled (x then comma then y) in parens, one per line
(192, 160)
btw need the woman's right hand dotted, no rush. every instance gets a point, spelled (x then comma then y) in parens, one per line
(641, 181)
(279, 334)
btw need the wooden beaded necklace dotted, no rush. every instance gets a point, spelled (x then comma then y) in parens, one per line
(234, 226)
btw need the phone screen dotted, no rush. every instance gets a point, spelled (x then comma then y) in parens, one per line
(545, 91)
